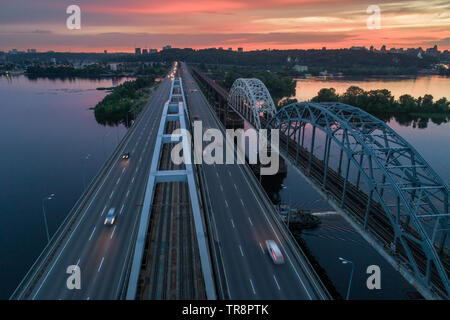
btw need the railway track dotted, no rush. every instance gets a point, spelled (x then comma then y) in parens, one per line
(355, 203)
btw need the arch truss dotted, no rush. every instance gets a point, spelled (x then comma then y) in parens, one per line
(251, 99)
(378, 178)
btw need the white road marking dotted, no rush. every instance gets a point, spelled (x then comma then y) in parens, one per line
(274, 278)
(121, 209)
(226, 203)
(235, 186)
(221, 188)
(118, 180)
(123, 169)
(111, 194)
(128, 193)
(262, 249)
(253, 288)
(232, 222)
(242, 202)
(250, 220)
(132, 180)
(78, 262)
(229, 173)
(242, 252)
(217, 174)
(103, 211)
(113, 232)
(100, 266)
(93, 230)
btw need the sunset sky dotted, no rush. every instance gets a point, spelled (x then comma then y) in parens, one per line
(120, 25)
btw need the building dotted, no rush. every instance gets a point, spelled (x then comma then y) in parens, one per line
(383, 48)
(152, 50)
(105, 51)
(167, 47)
(31, 50)
(240, 50)
(137, 51)
(144, 51)
(300, 68)
(230, 49)
(356, 48)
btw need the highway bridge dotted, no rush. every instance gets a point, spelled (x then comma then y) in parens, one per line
(369, 174)
(168, 219)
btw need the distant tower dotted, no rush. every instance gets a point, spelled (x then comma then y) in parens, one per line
(137, 51)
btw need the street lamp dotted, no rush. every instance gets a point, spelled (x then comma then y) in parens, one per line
(49, 197)
(346, 261)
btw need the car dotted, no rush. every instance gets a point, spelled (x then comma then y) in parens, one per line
(110, 217)
(126, 155)
(196, 117)
(274, 252)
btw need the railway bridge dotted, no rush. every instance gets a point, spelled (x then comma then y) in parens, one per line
(368, 172)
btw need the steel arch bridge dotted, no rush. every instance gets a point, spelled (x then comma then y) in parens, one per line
(378, 178)
(251, 99)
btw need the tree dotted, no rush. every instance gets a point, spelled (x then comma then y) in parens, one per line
(407, 103)
(326, 95)
(354, 96)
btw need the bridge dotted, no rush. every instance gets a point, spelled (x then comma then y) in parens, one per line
(369, 174)
(181, 231)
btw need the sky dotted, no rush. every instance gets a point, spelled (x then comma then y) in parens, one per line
(121, 25)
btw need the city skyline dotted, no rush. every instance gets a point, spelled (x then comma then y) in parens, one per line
(252, 25)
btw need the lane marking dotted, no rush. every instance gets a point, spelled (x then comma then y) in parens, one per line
(100, 266)
(78, 262)
(274, 278)
(235, 186)
(118, 180)
(253, 288)
(128, 193)
(92, 233)
(226, 203)
(262, 249)
(103, 211)
(113, 232)
(221, 188)
(132, 180)
(232, 222)
(121, 209)
(123, 169)
(242, 252)
(242, 202)
(250, 220)
(111, 194)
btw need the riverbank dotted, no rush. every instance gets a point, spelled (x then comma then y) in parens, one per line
(124, 102)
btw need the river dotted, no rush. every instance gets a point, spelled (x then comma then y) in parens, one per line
(335, 237)
(47, 132)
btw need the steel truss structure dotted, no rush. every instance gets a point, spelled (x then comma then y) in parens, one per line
(251, 99)
(392, 191)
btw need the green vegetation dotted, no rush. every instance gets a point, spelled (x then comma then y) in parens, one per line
(279, 86)
(382, 101)
(124, 102)
(66, 71)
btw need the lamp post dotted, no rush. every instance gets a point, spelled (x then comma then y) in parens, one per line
(346, 261)
(49, 197)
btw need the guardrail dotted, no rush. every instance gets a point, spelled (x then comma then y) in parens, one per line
(321, 290)
(35, 272)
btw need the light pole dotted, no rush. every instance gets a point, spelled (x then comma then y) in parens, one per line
(345, 261)
(88, 156)
(49, 197)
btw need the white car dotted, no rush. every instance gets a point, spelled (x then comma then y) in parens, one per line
(274, 252)
(110, 217)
